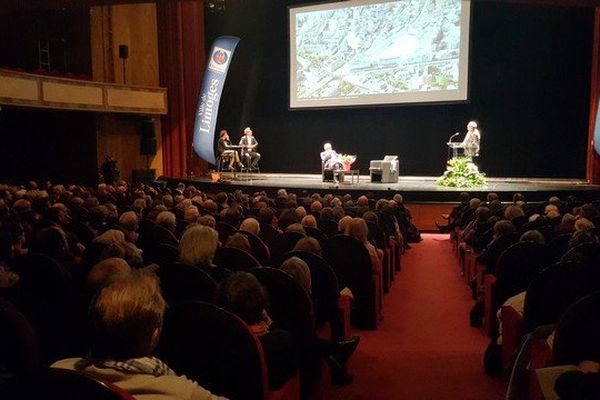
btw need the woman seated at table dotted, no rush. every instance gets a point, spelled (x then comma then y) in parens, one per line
(225, 153)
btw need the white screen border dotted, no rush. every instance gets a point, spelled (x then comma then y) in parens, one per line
(461, 94)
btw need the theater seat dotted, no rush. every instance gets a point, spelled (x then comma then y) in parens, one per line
(217, 349)
(61, 384)
(351, 262)
(234, 259)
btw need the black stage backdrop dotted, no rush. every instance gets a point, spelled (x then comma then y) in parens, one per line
(529, 91)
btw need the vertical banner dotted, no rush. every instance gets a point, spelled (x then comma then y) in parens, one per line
(221, 53)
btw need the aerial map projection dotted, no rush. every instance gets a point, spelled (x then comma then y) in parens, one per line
(384, 48)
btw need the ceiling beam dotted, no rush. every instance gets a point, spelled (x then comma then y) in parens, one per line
(13, 6)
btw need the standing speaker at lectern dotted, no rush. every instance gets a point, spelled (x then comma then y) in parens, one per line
(472, 140)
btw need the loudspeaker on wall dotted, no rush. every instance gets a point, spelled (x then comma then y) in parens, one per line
(148, 145)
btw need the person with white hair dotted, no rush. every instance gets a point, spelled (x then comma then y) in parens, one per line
(129, 221)
(250, 225)
(472, 140)
(331, 159)
(198, 245)
(167, 220)
(249, 153)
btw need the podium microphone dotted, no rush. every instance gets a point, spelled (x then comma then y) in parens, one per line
(453, 136)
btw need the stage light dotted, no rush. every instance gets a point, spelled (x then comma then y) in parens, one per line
(214, 6)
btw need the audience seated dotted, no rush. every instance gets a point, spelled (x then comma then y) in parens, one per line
(243, 295)
(549, 230)
(298, 269)
(126, 319)
(94, 234)
(239, 241)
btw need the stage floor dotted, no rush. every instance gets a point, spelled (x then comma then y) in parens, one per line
(413, 188)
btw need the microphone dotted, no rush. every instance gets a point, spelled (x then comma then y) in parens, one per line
(453, 136)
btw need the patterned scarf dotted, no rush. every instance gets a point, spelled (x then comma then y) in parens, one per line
(143, 365)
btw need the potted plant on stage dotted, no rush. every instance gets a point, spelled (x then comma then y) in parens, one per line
(461, 172)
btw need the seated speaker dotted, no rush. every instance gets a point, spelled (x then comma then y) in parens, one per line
(386, 170)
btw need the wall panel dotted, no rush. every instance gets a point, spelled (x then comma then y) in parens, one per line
(135, 26)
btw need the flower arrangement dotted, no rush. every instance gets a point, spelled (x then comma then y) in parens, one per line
(461, 172)
(347, 160)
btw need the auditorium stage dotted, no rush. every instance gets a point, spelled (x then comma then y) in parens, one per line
(413, 188)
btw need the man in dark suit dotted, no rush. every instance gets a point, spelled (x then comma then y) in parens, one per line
(251, 156)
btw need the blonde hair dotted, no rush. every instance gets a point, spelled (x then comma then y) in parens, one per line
(129, 220)
(301, 212)
(298, 269)
(309, 220)
(239, 241)
(344, 223)
(582, 224)
(357, 228)
(513, 212)
(106, 272)
(111, 236)
(250, 225)
(553, 214)
(550, 207)
(568, 218)
(295, 228)
(191, 214)
(198, 245)
(308, 244)
(167, 219)
(208, 220)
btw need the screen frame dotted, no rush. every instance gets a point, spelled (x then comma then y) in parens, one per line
(464, 67)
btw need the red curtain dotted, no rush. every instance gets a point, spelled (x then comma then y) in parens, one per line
(182, 60)
(593, 160)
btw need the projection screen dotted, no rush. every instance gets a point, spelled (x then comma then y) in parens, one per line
(375, 52)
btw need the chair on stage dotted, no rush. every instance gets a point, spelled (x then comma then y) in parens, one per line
(246, 168)
(222, 163)
(249, 170)
(326, 173)
(386, 170)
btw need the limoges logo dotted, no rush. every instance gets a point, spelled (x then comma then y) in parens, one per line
(219, 59)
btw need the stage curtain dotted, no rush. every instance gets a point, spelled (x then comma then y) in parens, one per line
(593, 160)
(182, 60)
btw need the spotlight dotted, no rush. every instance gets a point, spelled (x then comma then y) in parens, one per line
(214, 6)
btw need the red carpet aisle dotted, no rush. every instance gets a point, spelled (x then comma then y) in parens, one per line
(425, 348)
